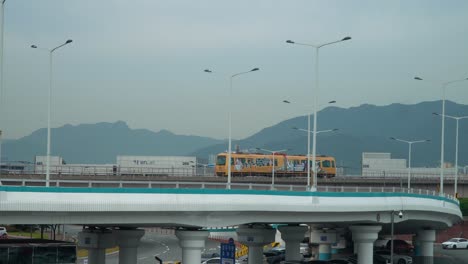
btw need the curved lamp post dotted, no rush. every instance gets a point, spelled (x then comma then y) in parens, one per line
(308, 141)
(230, 119)
(457, 118)
(51, 51)
(317, 48)
(444, 87)
(314, 167)
(273, 152)
(410, 143)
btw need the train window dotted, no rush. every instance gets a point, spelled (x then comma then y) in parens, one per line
(326, 163)
(221, 160)
(333, 163)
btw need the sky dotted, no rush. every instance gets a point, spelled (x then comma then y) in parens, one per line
(143, 61)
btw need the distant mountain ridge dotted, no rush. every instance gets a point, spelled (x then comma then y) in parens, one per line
(364, 128)
(102, 142)
(367, 128)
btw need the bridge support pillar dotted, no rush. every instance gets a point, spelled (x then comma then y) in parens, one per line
(255, 237)
(96, 241)
(192, 243)
(325, 238)
(128, 242)
(364, 237)
(425, 246)
(293, 236)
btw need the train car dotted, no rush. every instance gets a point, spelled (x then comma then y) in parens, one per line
(257, 164)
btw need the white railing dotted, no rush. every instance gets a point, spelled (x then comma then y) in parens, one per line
(111, 170)
(216, 185)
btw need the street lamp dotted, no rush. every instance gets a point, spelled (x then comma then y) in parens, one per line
(457, 118)
(392, 216)
(314, 167)
(410, 143)
(317, 48)
(2, 20)
(230, 120)
(308, 142)
(444, 86)
(51, 51)
(273, 164)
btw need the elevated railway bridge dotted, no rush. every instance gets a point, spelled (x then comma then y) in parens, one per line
(114, 208)
(109, 179)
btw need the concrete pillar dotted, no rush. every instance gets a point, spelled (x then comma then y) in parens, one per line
(355, 248)
(128, 242)
(325, 238)
(365, 237)
(324, 252)
(255, 237)
(96, 241)
(425, 241)
(192, 244)
(293, 236)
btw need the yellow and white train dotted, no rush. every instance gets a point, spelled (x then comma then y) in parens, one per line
(257, 164)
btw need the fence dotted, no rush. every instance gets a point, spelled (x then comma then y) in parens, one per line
(216, 185)
(110, 170)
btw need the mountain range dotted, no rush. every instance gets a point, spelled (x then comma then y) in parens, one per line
(365, 128)
(102, 142)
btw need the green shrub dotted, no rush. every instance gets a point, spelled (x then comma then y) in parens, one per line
(464, 206)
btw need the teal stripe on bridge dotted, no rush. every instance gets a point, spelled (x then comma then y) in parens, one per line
(218, 192)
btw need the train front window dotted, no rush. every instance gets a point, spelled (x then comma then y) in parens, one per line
(326, 164)
(221, 160)
(333, 164)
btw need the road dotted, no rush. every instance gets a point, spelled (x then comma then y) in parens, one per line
(166, 247)
(450, 256)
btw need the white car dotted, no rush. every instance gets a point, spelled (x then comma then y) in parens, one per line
(455, 243)
(216, 260)
(3, 232)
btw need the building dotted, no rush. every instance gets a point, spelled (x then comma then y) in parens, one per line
(377, 164)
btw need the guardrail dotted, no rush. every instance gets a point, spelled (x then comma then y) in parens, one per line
(111, 170)
(215, 185)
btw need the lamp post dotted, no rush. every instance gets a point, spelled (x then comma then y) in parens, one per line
(230, 120)
(51, 51)
(314, 167)
(308, 141)
(410, 143)
(444, 86)
(273, 164)
(2, 20)
(317, 48)
(457, 118)
(392, 217)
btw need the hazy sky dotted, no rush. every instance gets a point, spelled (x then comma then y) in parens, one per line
(142, 61)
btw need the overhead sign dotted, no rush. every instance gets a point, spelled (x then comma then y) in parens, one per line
(228, 252)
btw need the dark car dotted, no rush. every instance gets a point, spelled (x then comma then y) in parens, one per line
(274, 256)
(400, 246)
(306, 262)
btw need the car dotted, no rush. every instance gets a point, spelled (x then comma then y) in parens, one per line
(208, 255)
(3, 232)
(400, 246)
(304, 249)
(305, 262)
(341, 261)
(455, 243)
(275, 255)
(215, 260)
(384, 255)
